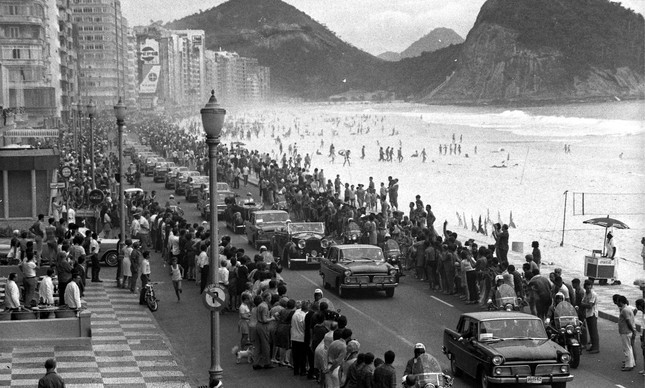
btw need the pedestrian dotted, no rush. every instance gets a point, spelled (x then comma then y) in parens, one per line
(589, 303)
(537, 255)
(51, 379)
(244, 320)
(640, 306)
(145, 276)
(135, 265)
(176, 274)
(263, 339)
(385, 374)
(126, 264)
(627, 331)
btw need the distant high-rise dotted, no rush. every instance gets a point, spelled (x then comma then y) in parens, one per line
(237, 79)
(103, 51)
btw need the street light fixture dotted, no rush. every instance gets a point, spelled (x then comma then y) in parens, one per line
(119, 112)
(91, 112)
(213, 121)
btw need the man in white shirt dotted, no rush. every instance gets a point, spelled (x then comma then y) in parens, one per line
(12, 293)
(135, 226)
(73, 293)
(46, 288)
(173, 243)
(298, 346)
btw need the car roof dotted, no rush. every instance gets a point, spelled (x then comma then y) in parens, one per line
(486, 315)
(354, 246)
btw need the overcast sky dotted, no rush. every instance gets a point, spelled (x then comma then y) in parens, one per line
(372, 25)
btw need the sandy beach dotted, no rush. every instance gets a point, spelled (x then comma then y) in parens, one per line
(519, 165)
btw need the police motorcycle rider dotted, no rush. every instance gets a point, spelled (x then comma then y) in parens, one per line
(564, 328)
(505, 297)
(424, 370)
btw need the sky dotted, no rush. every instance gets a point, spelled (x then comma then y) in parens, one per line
(374, 26)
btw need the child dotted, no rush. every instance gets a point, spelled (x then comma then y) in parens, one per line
(245, 316)
(176, 273)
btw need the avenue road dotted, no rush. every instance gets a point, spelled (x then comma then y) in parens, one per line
(414, 314)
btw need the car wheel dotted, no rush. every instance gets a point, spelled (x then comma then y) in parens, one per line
(574, 351)
(483, 381)
(111, 259)
(389, 292)
(325, 284)
(454, 369)
(290, 265)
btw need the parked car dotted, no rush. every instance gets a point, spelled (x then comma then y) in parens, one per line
(161, 170)
(182, 180)
(194, 187)
(500, 347)
(237, 213)
(262, 224)
(300, 243)
(171, 176)
(108, 253)
(357, 267)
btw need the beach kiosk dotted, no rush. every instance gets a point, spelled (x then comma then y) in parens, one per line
(598, 265)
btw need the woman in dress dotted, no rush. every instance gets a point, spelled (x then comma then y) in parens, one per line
(126, 264)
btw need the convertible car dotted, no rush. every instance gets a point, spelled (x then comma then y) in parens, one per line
(262, 224)
(300, 243)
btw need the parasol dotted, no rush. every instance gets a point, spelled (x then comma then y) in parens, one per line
(606, 222)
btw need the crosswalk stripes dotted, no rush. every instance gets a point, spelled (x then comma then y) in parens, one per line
(127, 350)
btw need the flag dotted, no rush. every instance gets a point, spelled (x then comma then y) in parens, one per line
(511, 223)
(479, 228)
(465, 222)
(485, 230)
(472, 222)
(459, 218)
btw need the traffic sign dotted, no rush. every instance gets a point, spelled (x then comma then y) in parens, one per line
(96, 196)
(66, 172)
(215, 297)
(58, 185)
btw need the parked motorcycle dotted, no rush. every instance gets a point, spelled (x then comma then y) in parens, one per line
(565, 330)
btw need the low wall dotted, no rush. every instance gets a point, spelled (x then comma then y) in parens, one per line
(35, 331)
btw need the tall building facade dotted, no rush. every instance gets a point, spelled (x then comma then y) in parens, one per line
(32, 66)
(103, 51)
(237, 79)
(68, 52)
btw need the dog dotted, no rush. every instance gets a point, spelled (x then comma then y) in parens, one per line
(243, 353)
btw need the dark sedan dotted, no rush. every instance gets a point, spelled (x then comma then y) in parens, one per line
(357, 267)
(498, 347)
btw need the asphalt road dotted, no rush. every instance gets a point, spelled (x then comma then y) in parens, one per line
(413, 315)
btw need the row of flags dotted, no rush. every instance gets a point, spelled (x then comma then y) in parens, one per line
(482, 227)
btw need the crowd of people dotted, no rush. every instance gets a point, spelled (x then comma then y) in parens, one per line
(310, 337)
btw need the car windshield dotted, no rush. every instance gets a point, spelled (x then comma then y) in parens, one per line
(500, 329)
(300, 227)
(223, 186)
(354, 254)
(272, 217)
(200, 180)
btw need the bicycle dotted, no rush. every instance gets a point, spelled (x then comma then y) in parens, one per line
(150, 297)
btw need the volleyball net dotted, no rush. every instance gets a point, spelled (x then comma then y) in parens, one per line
(591, 204)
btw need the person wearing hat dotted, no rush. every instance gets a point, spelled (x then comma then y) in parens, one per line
(267, 257)
(550, 316)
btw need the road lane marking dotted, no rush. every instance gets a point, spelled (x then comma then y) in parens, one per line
(439, 300)
(401, 338)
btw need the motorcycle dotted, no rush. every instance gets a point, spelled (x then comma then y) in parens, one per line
(426, 372)
(505, 299)
(352, 233)
(565, 330)
(393, 256)
(150, 297)
(130, 178)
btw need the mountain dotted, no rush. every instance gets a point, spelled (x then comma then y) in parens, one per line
(389, 56)
(433, 41)
(551, 50)
(306, 59)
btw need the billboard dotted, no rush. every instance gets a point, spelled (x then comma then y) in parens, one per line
(151, 68)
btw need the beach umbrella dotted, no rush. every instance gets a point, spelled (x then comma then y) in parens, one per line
(607, 223)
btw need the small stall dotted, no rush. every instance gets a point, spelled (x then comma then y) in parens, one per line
(600, 265)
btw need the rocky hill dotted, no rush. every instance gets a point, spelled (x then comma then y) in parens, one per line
(306, 59)
(432, 41)
(522, 51)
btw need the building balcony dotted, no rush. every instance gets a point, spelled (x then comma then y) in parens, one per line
(21, 19)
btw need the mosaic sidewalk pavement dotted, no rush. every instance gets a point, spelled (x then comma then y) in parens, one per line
(127, 349)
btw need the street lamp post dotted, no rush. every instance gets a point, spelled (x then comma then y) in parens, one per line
(91, 112)
(119, 112)
(213, 121)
